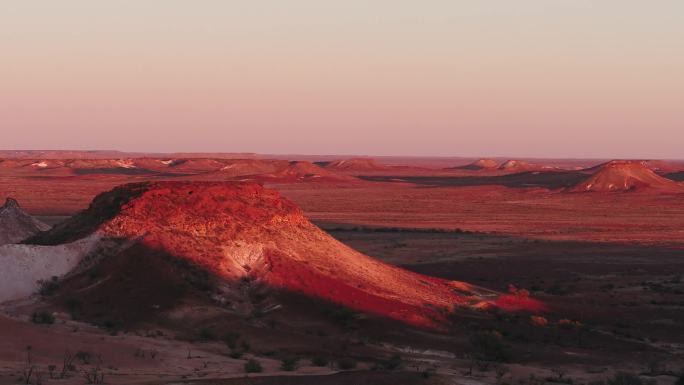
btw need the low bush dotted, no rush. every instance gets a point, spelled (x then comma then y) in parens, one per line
(206, 335)
(289, 364)
(346, 363)
(253, 366)
(392, 363)
(231, 339)
(319, 361)
(489, 346)
(625, 378)
(42, 317)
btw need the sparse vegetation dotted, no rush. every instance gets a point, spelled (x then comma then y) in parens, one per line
(680, 379)
(42, 317)
(231, 339)
(625, 378)
(29, 368)
(67, 363)
(320, 361)
(94, 375)
(206, 335)
(392, 363)
(289, 364)
(489, 346)
(253, 366)
(48, 287)
(84, 357)
(346, 363)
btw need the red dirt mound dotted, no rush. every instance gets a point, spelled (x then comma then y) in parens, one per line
(623, 176)
(244, 231)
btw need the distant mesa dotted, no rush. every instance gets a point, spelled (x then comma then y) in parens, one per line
(16, 224)
(516, 165)
(266, 170)
(281, 171)
(356, 164)
(217, 236)
(481, 164)
(625, 176)
(662, 167)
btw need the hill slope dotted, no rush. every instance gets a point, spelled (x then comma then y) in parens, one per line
(16, 224)
(243, 231)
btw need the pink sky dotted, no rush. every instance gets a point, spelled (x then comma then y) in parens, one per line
(545, 78)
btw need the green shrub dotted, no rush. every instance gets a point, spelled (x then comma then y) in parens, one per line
(42, 317)
(319, 361)
(289, 364)
(625, 378)
(231, 339)
(489, 346)
(48, 287)
(206, 335)
(253, 366)
(392, 363)
(346, 363)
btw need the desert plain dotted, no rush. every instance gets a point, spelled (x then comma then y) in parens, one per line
(258, 269)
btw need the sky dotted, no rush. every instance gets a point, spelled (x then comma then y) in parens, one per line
(533, 78)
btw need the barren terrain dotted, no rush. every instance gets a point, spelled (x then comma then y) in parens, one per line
(607, 265)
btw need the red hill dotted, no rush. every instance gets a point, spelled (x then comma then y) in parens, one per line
(481, 164)
(243, 231)
(623, 176)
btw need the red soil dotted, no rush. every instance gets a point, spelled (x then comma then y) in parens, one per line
(236, 230)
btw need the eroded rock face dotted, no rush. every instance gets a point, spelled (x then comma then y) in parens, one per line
(16, 224)
(243, 230)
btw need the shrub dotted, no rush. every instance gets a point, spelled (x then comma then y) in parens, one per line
(489, 346)
(206, 335)
(236, 353)
(624, 378)
(322, 361)
(253, 366)
(392, 363)
(42, 317)
(83, 356)
(231, 339)
(73, 305)
(48, 287)
(289, 364)
(680, 380)
(346, 363)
